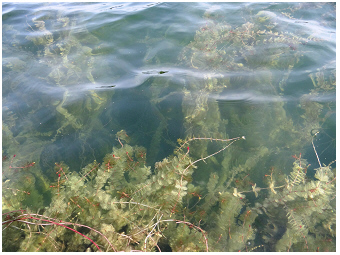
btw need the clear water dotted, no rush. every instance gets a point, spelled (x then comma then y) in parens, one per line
(75, 74)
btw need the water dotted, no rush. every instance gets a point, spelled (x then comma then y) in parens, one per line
(75, 74)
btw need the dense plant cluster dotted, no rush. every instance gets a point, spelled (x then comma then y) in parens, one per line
(124, 205)
(214, 192)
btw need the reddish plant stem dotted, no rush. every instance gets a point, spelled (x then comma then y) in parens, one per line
(62, 225)
(88, 173)
(192, 225)
(20, 210)
(26, 192)
(61, 170)
(202, 159)
(76, 224)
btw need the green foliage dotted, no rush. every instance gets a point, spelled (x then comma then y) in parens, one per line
(121, 205)
(306, 203)
(218, 46)
(202, 196)
(184, 238)
(66, 59)
(121, 195)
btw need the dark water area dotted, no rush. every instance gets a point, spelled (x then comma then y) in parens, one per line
(81, 82)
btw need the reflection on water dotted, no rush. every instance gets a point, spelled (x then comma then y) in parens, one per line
(129, 119)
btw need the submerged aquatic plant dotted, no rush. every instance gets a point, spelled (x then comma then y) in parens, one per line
(117, 205)
(124, 204)
(67, 58)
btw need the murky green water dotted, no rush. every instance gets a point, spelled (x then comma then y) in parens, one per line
(85, 80)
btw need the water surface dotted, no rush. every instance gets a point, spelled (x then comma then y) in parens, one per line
(75, 74)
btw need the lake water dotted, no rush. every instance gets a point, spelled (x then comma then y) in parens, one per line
(83, 80)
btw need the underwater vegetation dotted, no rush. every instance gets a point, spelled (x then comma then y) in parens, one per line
(224, 187)
(122, 205)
